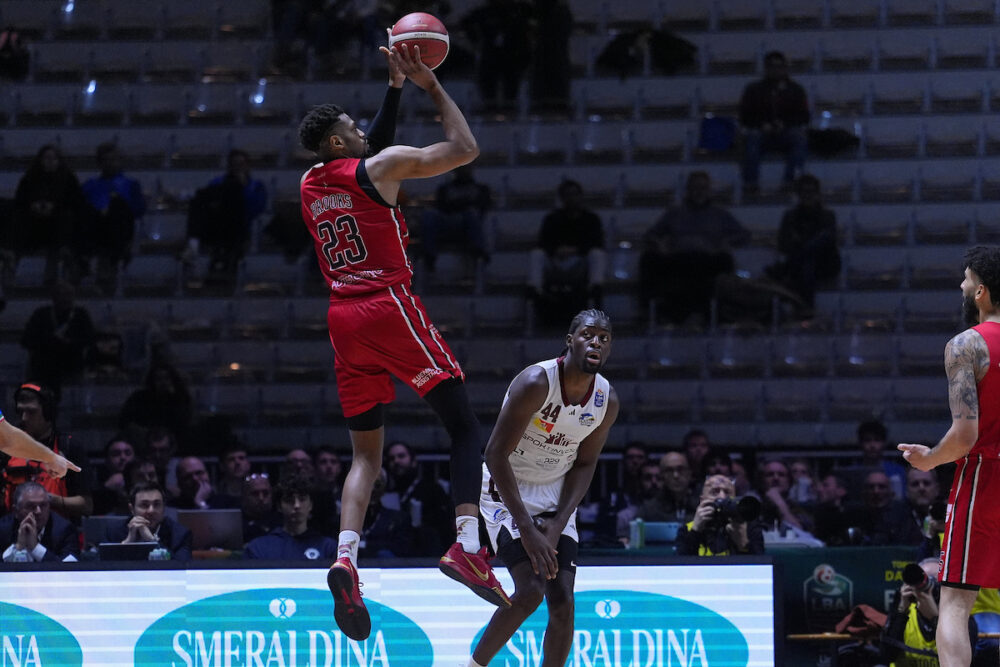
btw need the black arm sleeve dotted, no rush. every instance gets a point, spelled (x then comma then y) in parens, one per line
(382, 131)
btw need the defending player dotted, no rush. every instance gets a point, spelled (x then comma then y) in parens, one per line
(541, 458)
(378, 326)
(16, 443)
(969, 557)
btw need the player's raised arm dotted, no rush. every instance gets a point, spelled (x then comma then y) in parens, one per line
(966, 359)
(15, 442)
(398, 163)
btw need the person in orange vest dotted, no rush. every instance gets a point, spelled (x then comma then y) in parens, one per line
(36, 410)
(17, 444)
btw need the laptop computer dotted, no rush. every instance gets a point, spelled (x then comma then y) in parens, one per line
(95, 528)
(131, 551)
(213, 529)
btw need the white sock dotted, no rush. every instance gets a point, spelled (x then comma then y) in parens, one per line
(473, 663)
(348, 545)
(467, 528)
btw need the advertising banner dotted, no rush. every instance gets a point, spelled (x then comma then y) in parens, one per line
(626, 616)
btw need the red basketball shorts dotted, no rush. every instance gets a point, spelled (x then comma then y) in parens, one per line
(382, 334)
(969, 551)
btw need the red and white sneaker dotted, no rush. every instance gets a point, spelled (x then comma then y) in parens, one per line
(474, 571)
(348, 608)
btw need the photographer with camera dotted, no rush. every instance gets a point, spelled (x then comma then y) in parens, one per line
(908, 639)
(722, 526)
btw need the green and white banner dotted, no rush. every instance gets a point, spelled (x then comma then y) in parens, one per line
(626, 616)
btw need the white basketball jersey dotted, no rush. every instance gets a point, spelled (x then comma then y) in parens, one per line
(549, 444)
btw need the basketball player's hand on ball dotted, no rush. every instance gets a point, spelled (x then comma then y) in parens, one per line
(396, 76)
(409, 63)
(916, 456)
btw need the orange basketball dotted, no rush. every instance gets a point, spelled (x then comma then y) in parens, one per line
(425, 31)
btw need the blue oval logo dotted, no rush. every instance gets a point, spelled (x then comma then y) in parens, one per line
(30, 638)
(278, 626)
(633, 628)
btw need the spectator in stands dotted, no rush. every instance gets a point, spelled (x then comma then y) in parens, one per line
(628, 492)
(234, 466)
(111, 491)
(259, 515)
(161, 448)
(298, 463)
(502, 32)
(58, 339)
(807, 242)
(882, 518)
(566, 271)
(422, 498)
(684, 253)
(163, 402)
(149, 523)
(49, 206)
(327, 490)
(221, 215)
(14, 55)
(831, 515)
(36, 407)
(31, 533)
(873, 439)
(117, 202)
(387, 532)
(922, 490)
(552, 71)
(715, 532)
(650, 486)
(458, 214)
(106, 361)
(195, 488)
(803, 487)
(294, 540)
(676, 500)
(778, 509)
(696, 447)
(774, 113)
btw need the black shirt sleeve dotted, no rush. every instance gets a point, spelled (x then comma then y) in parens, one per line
(382, 132)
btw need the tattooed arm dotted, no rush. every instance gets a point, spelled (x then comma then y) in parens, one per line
(966, 359)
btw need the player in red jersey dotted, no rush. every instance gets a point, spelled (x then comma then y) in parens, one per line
(970, 558)
(378, 326)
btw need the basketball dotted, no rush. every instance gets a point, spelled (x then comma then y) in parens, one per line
(425, 31)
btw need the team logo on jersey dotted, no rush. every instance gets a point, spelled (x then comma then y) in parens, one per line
(598, 398)
(587, 419)
(543, 425)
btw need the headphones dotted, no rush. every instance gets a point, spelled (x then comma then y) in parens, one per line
(46, 399)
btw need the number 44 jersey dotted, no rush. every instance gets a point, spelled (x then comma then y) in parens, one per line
(360, 239)
(548, 446)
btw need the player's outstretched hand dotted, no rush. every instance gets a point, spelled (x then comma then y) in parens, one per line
(396, 76)
(916, 455)
(409, 63)
(60, 465)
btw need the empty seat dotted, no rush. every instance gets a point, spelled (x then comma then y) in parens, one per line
(795, 400)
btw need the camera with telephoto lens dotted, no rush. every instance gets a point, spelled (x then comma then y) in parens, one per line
(740, 510)
(915, 576)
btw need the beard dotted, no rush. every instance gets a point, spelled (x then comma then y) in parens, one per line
(970, 313)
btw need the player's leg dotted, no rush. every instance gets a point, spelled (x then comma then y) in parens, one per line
(529, 590)
(561, 604)
(953, 645)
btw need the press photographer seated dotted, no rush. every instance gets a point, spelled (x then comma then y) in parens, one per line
(909, 635)
(722, 526)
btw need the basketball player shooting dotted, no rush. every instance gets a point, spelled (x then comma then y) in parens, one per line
(378, 326)
(540, 461)
(969, 557)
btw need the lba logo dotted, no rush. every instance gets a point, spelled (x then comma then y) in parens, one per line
(828, 597)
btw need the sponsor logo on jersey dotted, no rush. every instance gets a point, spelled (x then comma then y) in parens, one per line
(543, 425)
(598, 398)
(587, 419)
(421, 378)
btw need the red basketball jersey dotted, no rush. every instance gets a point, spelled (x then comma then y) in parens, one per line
(988, 441)
(360, 240)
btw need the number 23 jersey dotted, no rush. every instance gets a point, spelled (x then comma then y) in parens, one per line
(549, 445)
(360, 239)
